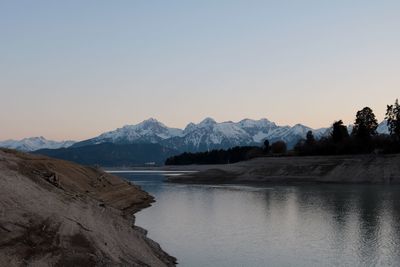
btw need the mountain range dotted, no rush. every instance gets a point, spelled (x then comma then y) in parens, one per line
(167, 141)
(35, 143)
(206, 135)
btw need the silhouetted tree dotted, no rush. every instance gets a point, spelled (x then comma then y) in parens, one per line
(339, 131)
(306, 146)
(279, 147)
(365, 124)
(310, 140)
(266, 146)
(393, 119)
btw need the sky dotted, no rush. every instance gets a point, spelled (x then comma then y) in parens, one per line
(74, 69)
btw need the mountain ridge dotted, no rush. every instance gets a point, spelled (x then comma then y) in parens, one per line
(205, 135)
(110, 155)
(35, 143)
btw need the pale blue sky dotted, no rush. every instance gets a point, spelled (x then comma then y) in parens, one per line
(74, 69)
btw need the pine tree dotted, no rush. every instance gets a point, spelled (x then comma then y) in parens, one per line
(310, 140)
(393, 119)
(365, 124)
(266, 146)
(339, 132)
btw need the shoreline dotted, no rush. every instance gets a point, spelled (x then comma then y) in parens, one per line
(346, 169)
(56, 212)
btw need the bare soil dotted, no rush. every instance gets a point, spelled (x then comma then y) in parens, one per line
(57, 213)
(366, 169)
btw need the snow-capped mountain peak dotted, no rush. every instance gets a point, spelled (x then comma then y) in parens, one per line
(147, 131)
(207, 122)
(150, 124)
(189, 127)
(383, 128)
(300, 129)
(248, 123)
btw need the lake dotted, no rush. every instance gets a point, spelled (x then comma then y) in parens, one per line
(303, 225)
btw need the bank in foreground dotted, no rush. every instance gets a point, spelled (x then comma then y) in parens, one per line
(367, 169)
(56, 213)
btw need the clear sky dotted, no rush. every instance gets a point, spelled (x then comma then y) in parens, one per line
(73, 69)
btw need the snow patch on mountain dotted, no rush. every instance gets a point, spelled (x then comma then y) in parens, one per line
(260, 137)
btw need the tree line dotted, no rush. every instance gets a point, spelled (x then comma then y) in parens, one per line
(231, 155)
(217, 156)
(363, 138)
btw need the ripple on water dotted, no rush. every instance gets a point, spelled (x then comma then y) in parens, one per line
(239, 225)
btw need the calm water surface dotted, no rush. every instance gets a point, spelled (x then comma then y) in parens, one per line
(318, 225)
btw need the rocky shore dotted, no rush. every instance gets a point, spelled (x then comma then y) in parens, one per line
(367, 169)
(57, 213)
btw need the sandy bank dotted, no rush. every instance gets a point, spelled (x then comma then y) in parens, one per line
(375, 169)
(57, 213)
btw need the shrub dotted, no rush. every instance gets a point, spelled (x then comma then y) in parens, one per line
(279, 147)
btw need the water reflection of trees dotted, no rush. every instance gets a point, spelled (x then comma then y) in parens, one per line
(359, 220)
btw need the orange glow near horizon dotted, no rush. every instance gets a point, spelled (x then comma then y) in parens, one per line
(309, 63)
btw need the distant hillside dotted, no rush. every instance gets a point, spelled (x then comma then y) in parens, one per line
(110, 155)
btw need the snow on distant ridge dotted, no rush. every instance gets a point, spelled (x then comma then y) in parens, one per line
(35, 143)
(381, 129)
(148, 131)
(205, 135)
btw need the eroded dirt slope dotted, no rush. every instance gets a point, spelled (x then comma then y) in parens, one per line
(57, 213)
